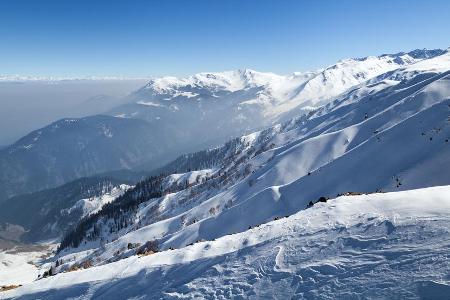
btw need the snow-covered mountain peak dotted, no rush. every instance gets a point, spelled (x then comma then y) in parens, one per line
(426, 53)
(214, 81)
(286, 91)
(436, 64)
(405, 57)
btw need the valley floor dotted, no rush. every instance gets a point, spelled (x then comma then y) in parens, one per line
(20, 265)
(389, 245)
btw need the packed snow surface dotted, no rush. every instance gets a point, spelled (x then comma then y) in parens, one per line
(387, 245)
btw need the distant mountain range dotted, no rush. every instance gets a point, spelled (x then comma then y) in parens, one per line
(170, 116)
(21, 78)
(237, 96)
(73, 148)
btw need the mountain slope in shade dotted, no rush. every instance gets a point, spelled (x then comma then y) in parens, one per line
(72, 148)
(362, 242)
(48, 214)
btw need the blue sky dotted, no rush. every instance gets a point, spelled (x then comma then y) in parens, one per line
(152, 38)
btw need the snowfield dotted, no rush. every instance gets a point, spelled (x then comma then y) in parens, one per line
(15, 268)
(387, 245)
(20, 265)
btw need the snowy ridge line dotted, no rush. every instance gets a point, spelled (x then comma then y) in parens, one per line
(257, 99)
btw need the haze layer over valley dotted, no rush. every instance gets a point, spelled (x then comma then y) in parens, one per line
(36, 102)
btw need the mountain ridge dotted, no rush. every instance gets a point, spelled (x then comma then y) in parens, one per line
(72, 148)
(278, 171)
(176, 117)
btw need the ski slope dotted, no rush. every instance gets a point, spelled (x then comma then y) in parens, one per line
(349, 247)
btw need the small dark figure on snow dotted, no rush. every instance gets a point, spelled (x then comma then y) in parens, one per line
(322, 199)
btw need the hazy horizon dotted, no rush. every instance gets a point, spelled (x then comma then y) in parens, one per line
(30, 105)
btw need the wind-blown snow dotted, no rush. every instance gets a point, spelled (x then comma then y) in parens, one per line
(350, 247)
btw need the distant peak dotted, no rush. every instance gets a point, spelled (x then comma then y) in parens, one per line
(425, 53)
(246, 71)
(247, 74)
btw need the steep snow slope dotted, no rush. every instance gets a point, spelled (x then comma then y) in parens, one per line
(403, 144)
(350, 247)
